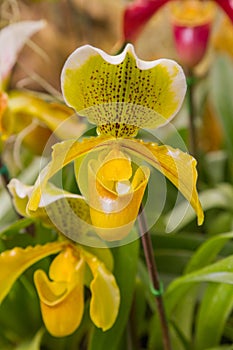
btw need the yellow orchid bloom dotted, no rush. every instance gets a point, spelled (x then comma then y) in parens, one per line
(120, 94)
(62, 294)
(30, 120)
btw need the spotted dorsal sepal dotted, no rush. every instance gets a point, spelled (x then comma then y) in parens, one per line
(122, 90)
(118, 130)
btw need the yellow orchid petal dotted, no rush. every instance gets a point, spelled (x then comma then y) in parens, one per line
(21, 194)
(63, 266)
(116, 167)
(68, 213)
(25, 106)
(139, 178)
(113, 214)
(62, 303)
(65, 317)
(54, 292)
(105, 299)
(63, 153)
(177, 166)
(14, 262)
(103, 254)
(50, 293)
(122, 93)
(75, 219)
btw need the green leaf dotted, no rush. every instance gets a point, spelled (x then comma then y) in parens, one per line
(215, 308)
(22, 300)
(33, 344)
(185, 288)
(182, 318)
(208, 251)
(15, 227)
(221, 272)
(125, 262)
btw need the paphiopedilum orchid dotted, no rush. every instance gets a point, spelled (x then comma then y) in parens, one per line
(61, 293)
(120, 94)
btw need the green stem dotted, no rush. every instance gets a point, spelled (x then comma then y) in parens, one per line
(191, 108)
(154, 276)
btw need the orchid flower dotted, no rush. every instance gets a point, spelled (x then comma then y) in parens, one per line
(138, 12)
(191, 24)
(120, 94)
(61, 293)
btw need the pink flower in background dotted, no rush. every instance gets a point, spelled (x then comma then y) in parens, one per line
(191, 25)
(191, 43)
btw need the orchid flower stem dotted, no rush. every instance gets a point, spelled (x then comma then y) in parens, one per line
(154, 276)
(191, 108)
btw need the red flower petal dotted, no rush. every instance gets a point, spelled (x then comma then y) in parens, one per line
(137, 14)
(227, 6)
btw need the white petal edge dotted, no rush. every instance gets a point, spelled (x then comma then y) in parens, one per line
(21, 190)
(83, 53)
(50, 194)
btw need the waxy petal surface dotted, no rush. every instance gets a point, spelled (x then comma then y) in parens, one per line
(122, 93)
(105, 299)
(14, 262)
